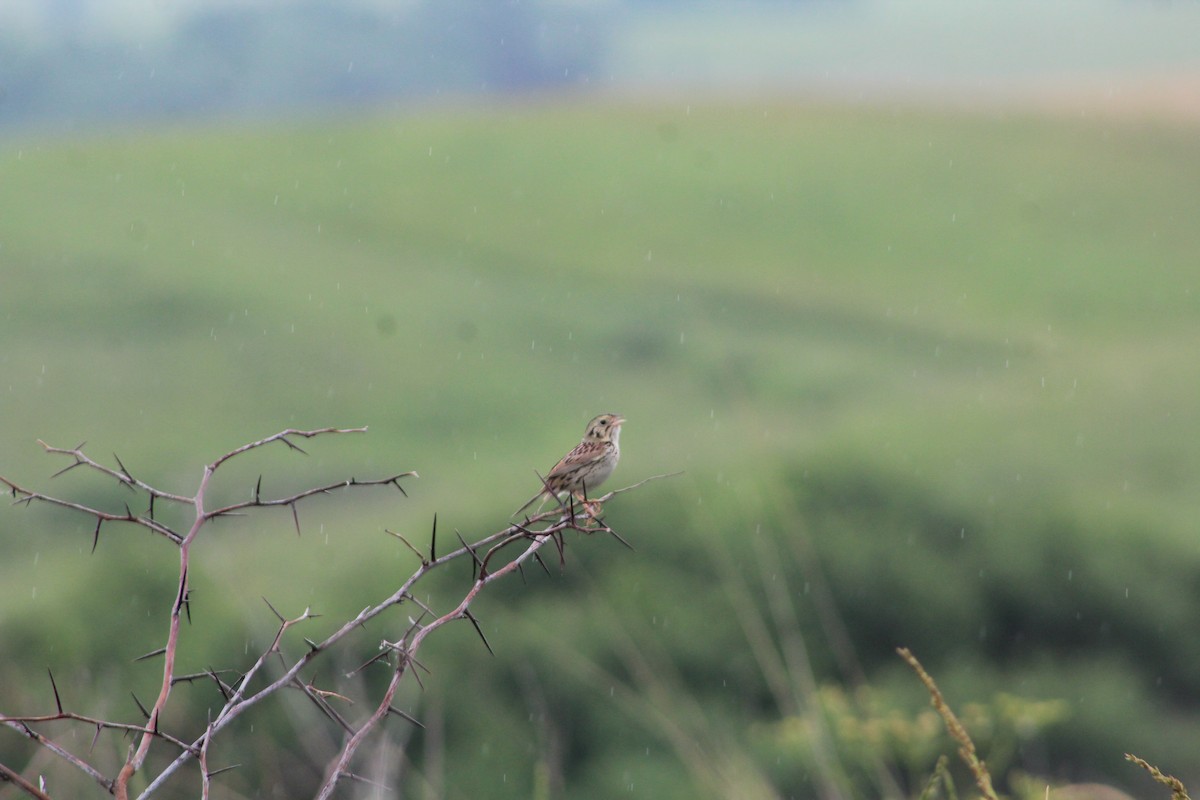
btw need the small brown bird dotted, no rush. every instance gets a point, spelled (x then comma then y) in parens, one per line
(588, 465)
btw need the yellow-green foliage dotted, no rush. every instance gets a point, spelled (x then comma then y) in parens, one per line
(869, 729)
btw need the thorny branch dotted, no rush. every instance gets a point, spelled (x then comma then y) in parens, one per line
(238, 694)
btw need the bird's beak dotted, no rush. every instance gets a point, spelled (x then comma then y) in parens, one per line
(620, 421)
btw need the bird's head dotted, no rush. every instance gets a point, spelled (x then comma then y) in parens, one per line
(604, 428)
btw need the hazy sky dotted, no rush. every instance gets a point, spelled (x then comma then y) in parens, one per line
(898, 41)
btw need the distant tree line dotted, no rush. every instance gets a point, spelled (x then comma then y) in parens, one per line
(238, 60)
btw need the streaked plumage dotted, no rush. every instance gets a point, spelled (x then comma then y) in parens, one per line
(589, 464)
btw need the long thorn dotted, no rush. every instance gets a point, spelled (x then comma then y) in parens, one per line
(54, 686)
(292, 445)
(618, 537)
(475, 622)
(561, 544)
(368, 662)
(215, 772)
(273, 611)
(477, 564)
(220, 686)
(365, 781)
(66, 469)
(141, 707)
(405, 716)
(128, 477)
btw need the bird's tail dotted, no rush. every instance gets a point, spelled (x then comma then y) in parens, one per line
(530, 502)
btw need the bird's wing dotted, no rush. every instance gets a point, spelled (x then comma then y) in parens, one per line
(584, 453)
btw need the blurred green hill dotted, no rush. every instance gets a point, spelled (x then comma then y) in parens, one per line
(931, 377)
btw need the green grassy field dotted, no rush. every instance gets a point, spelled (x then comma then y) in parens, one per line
(953, 352)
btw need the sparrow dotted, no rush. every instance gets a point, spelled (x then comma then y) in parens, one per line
(588, 465)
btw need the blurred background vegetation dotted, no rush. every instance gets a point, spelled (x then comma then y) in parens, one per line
(917, 318)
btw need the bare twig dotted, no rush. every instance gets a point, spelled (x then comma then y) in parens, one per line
(639, 484)
(15, 721)
(28, 496)
(14, 777)
(291, 500)
(282, 436)
(122, 475)
(61, 752)
(203, 757)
